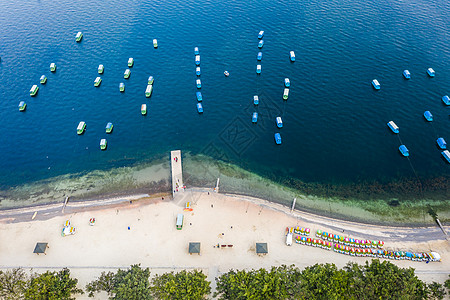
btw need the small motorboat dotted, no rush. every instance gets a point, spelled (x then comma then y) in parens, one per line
(259, 57)
(226, 73)
(199, 83)
(287, 83)
(34, 89)
(109, 127)
(130, 62)
(446, 155)
(199, 96)
(393, 127)
(122, 87)
(261, 34)
(155, 43)
(428, 116)
(150, 80)
(103, 144)
(22, 106)
(81, 127)
(406, 74)
(446, 100)
(196, 52)
(198, 71)
(127, 74)
(97, 81)
(255, 117)
(258, 69)
(403, 150)
(292, 56)
(376, 84)
(43, 79)
(431, 72)
(286, 94)
(261, 44)
(144, 109)
(441, 143)
(52, 67)
(255, 100)
(279, 122)
(278, 138)
(79, 36)
(199, 108)
(197, 60)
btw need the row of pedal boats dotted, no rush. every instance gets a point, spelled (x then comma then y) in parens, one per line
(406, 74)
(442, 144)
(81, 128)
(79, 37)
(198, 82)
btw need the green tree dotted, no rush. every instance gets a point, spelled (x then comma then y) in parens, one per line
(447, 283)
(182, 285)
(13, 284)
(131, 284)
(437, 290)
(52, 286)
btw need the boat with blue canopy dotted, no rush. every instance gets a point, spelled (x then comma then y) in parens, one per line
(441, 143)
(109, 127)
(43, 79)
(258, 69)
(122, 87)
(199, 96)
(406, 74)
(255, 100)
(196, 52)
(150, 80)
(446, 100)
(279, 122)
(226, 73)
(255, 117)
(261, 34)
(199, 108)
(199, 83)
(259, 57)
(197, 60)
(403, 150)
(428, 116)
(22, 106)
(278, 138)
(292, 55)
(261, 44)
(287, 83)
(376, 84)
(198, 71)
(446, 155)
(393, 127)
(431, 72)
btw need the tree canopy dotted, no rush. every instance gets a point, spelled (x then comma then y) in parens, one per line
(182, 285)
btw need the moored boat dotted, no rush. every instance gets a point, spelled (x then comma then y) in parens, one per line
(198, 71)
(441, 143)
(261, 34)
(43, 79)
(258, 69)
(287, 83)
(144, 109)
(155, 43)
(196, 52)
(109, 127)
(52, 67)
(103, 144)
(279, 122)
(446, 155)
(199, 108)
(81, 127)
(100, 69)
(406, 74)
(428, 116)
(150, 80)
(148, 90)
(431, 72)
(261, 44)
(122, 87)
(197, 60)
(292, 55)
(259, 57)
(403, 150)
(22, 106)
(446, 100)
(130, 62)
(97, 81)
(255, 117)
(127, 74)
(286, 94)
(199, 96)
(278, 138)
(34, 89)
(199, 83)
(393, 127)
(255, 100)
(226, 73)
(376, 84)
(79, 36)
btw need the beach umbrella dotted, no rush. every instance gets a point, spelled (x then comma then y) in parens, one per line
(302, 230)
(357, 242)
(324, 235)
(374, 244)
(346, 241)
(297, 230)
(352, 242)
(368, 243)
(341, 240)
(319, 233)
(308, 241)
(307, 231)
(330, 236)
(380, 244)
(436, 256)
(352, 251)
(303, 240)
(336, 238)
(297, 239)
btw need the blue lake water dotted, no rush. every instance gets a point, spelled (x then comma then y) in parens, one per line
(334, 121)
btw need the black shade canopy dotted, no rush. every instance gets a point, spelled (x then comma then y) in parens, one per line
(194, 248)
(261, 248)
(40, 248)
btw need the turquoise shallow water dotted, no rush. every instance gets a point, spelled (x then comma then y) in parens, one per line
(334, 121)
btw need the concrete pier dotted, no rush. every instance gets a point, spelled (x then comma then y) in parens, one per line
(177, 172)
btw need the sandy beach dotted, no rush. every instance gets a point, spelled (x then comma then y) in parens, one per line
(141, 229)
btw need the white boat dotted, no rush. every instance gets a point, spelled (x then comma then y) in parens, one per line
(155, 43)
(292, 55)
(130, 62)
(197, 60)
(148, 90)
(100, 69)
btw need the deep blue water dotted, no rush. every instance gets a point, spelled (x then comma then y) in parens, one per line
(334, 121)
